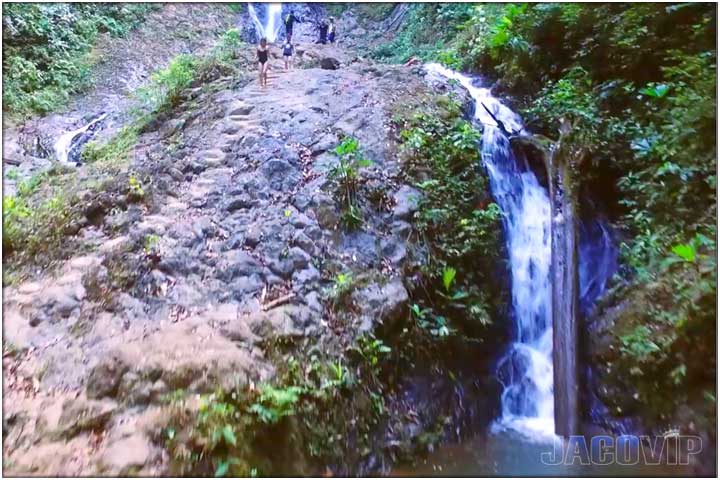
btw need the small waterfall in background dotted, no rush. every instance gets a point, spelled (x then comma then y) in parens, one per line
(597, 263)
(526, 370)
(267, 20)
(68, 146)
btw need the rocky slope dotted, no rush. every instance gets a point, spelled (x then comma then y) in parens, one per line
(227, 242)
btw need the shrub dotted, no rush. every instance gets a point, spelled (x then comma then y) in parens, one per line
(346, 176)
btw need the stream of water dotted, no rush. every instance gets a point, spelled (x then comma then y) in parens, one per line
(69, 145)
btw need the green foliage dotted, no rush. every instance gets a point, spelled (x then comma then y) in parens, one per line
(346, 177)
(448, 277)
(686, 251)
(275, 403)
(502, 35)
(15, 211)
(29, 225)
(637, 83)
(309, 410)
(342, 284)
(46, 49)
(569, 98)
(339, 294)
(164, 91)
(374, 11)
(116, 150)
(372, 349)
(426, 319)
(456, 216)
(639, 343)
(425, 32)
(217, 435)
(47, 210)
(236, 7)
(165, 86)
(151, 244)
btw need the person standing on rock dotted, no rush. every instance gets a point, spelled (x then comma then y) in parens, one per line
(290, 20)
(323, 31)
(288, 50)
(331, 30)
(262, 54)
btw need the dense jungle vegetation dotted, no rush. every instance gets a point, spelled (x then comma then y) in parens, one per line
(47, 49)
(638, 82)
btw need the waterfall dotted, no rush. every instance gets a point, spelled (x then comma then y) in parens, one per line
(271, 13)
(597, 260)
(67, 147)
(526, 370)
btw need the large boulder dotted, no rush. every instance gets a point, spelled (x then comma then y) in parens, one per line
(188, 355)
(105, 377)
(329, 63)
(286, 321)
(384, 306)
(407, 201)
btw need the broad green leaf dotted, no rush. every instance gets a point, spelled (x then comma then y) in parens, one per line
(229, 435)
(222, 469)
(655, 91)
(449, 277)
(685, 251)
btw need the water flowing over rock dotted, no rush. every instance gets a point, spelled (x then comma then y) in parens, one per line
(267, 18)
(526, 371)
(67, 147)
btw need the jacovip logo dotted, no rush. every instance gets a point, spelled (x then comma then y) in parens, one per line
(623, 450)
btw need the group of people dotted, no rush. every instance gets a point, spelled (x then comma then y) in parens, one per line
(327, 31)
(325, 26)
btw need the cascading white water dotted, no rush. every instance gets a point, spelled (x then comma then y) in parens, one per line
(526, 369)
(69, 141)
(272, 16)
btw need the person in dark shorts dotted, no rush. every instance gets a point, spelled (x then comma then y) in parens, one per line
(290, 20)
(262, 55)
(288, 50)
(331, 30)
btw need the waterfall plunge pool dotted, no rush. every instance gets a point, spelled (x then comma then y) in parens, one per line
(509, 453)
